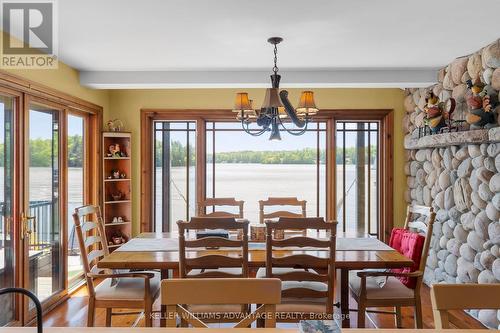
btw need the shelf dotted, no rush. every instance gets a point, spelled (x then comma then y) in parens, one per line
(117, 201)
(116, 223)
(117, 158)
(116, 180)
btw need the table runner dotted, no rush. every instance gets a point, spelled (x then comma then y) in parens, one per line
(172, 245)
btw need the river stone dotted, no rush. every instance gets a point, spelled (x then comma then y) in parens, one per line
(467, 252)
(487, 259)
(490, 56)
(462, 153)
(448, 83)
(477, 201)
(462, 194)
(495, 79)
(486, 276)
(474, 150)
(442, 242)
(437, 231)
(421, 102)
(431, 177)
(493, 149)
(416, 96)
(484, 175)
(436, 158)
(451, 223)
(497, 162)
(495, 183)
(487, 74)
(453, 245)
(455, 163)
(492, 212)
(477, 261)
(467, 220)
(495, 250)
(421, 177)
(464, 168)
(474, 66)
(407, 195)
(450, 265)
(475, 241)
(481, 223)
(494, 230)
(432, 260)
(427, 196)
(414, 167)
(489, 318)
(444, 180)
(447, 231)
(442, 215)
(447, 156)
(435, 190)
(442, 254)
(428, 167)
(458, 93)
(448, 198)
(460, 233)
(489, 163)
(463, 268)
(454, 214)
(407, 168)
(474, 181)
(478, 161)
(453, 175)
(419, 193)
(458, 68)
(484, 192)
(496, 269)
(409, 104)
(474, 209)
(411, 182)
(439, 200)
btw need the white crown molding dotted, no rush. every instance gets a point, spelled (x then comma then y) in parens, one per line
(342, 78)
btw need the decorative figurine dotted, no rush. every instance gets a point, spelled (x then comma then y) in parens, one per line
(120, 219)
(438, 113)
(123, 175)
(481, 105)
(117, 196)
(115, 174)
(115, 220)
(115, 125)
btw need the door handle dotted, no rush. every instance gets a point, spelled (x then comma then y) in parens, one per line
(25, 228)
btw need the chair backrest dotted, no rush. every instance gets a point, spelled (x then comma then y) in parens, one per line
(213, 257)
(445, 297)
(291, 201)
(413, 241)
(92, 241)
(265, 292)
(313, 265)
(202, 205)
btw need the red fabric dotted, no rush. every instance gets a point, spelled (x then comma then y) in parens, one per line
(409, 244)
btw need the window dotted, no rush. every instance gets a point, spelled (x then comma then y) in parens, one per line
(174, 176)
(357, 176)
(76, 195)
(254, 168)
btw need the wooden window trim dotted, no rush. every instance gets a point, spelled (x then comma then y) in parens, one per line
(201, 116)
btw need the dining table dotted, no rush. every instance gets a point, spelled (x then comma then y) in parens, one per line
(159, 251)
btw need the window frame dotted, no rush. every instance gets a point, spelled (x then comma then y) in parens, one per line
(330, 116)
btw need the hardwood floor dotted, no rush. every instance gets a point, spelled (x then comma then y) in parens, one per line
(73, 313)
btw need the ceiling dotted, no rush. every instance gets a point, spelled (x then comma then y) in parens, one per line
(155, 43)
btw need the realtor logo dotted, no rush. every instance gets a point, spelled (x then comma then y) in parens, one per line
(29, 34)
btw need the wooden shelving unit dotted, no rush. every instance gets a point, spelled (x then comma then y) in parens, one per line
(111, 186)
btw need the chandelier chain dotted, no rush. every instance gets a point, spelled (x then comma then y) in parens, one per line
(275, 68)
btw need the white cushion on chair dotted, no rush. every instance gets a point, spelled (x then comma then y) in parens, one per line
(393, 288)
(127, 288)
(229, 270)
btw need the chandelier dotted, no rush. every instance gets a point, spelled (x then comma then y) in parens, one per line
(276, 109)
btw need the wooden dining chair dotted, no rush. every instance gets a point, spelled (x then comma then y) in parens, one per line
(213, 202)
(175, 293)
(401, 287)
(286, 201)
(446, 297)
(133, 290)
(307, 280)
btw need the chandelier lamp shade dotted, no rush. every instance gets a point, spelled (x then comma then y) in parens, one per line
(276, 110)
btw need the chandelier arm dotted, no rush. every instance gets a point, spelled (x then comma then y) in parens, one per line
(293, 132)
(247, 130)
(290, 111)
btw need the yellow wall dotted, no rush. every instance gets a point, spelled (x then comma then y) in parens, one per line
(126, 105)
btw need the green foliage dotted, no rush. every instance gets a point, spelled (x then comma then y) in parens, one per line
(41, 152)
(301, 156)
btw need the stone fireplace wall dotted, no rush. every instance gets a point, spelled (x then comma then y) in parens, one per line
(459, 175)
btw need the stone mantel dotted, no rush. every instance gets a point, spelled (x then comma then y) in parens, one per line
(454, 139)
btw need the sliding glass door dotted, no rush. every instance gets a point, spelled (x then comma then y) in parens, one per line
(7, 239)
(42, 215)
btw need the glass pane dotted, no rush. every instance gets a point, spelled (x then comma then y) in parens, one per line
(7, 252)
(45, 260)
(357, 177)
(254, 168)
(75, 194)
(175, 152)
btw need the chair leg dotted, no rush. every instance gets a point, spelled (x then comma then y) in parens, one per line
(399, 319)
(361, 315)
(148, 320)
(109, 312)
(418, 314)
(91, 312)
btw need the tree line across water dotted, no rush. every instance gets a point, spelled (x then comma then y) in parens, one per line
(178, 156)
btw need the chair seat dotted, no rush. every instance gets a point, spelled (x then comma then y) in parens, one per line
(126, 288)
(393, 288)
(228, 270)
